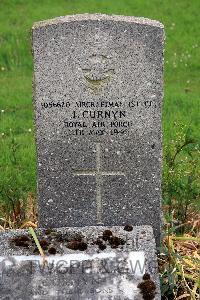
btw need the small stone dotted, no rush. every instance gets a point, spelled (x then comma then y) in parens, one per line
(52, 250)
(115, 242)
(77, 245)
(44, 244)
(102, 246)
(107, 234)
(21, 241)
(82, 246)
(73, 245)
(98, 242)
(146, 276)
(147, 289)
(128, 227)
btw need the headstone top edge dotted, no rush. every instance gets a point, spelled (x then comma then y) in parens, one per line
(97, 17)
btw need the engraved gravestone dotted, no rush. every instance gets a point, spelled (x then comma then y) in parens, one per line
(98, 95)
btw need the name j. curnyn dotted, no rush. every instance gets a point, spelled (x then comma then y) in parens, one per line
(99, 114)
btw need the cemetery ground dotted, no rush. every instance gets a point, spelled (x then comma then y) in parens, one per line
(179, 258)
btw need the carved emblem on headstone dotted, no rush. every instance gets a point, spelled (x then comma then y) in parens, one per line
(99, 69)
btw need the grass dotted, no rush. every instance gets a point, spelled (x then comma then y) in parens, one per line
(180, 107)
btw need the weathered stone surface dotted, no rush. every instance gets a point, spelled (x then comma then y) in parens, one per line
(98, 95)
(90, 274)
